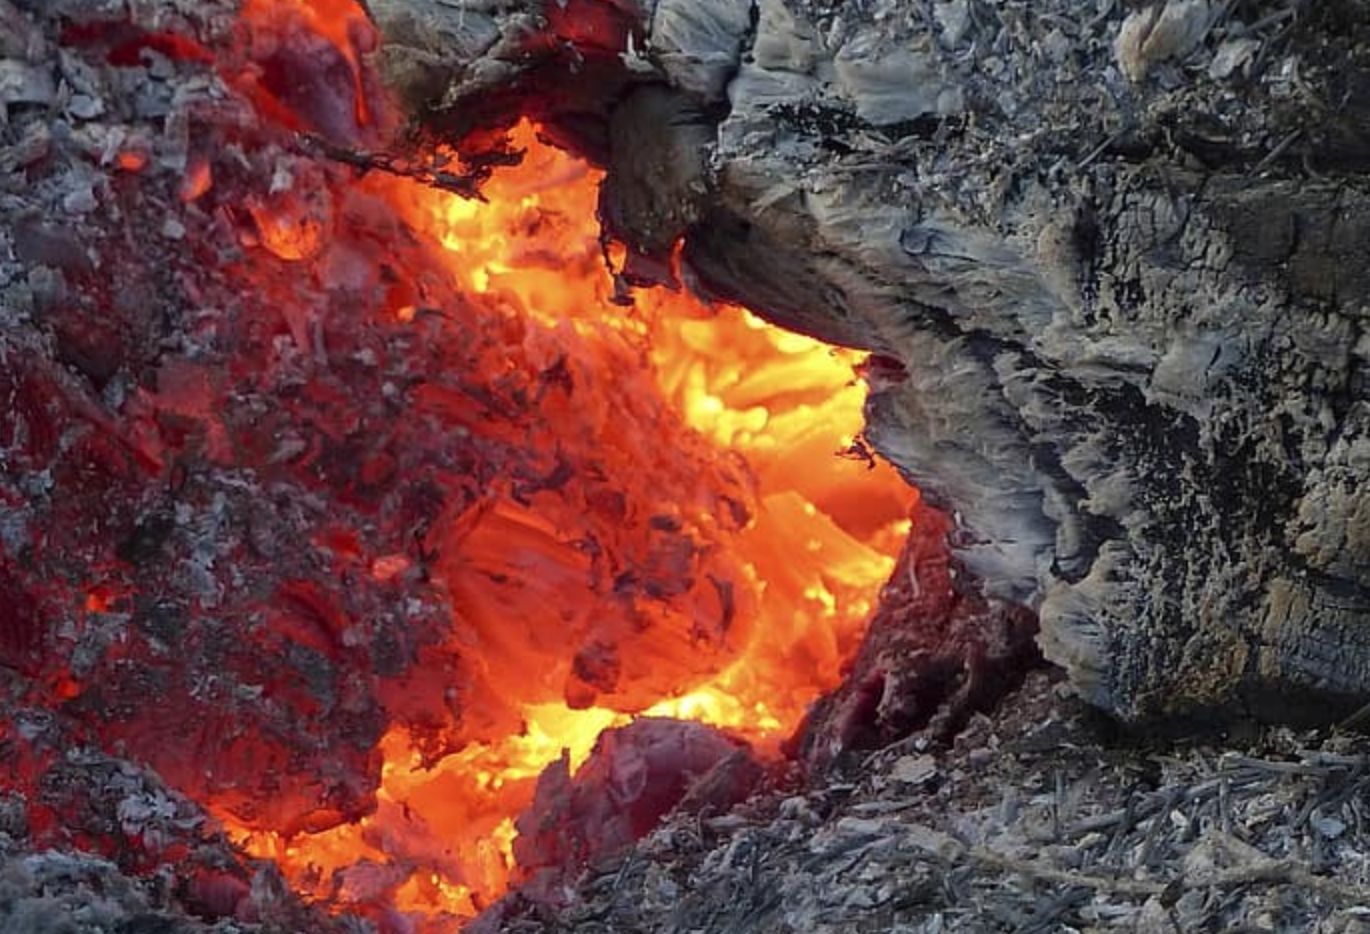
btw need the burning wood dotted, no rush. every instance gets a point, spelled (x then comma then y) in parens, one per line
(396, 531)
(361, 502)
(636, 775)
(1115, 252)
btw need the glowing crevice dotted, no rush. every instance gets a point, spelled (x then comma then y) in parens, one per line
(796, 563)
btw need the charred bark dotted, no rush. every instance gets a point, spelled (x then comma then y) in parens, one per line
(1118, 249)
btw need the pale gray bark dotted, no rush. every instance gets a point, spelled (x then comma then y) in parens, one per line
(1121, 253)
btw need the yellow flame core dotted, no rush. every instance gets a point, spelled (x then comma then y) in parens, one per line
(818, 546)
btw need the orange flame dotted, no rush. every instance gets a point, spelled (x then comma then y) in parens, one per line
(795, 576)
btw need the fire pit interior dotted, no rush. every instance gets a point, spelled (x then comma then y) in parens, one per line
(389, 494)
(401, 515)
(644, 506)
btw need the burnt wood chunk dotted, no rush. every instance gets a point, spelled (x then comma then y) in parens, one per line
(1119, 253)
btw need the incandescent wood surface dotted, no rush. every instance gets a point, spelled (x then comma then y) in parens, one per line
(1119, 249)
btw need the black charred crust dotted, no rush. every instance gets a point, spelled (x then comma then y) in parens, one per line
(146, 541)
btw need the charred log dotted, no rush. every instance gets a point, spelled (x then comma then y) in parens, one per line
(1116, 248)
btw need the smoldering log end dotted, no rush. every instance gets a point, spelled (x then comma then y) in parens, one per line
(1123, 285)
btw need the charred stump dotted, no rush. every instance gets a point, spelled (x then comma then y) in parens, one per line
(1115, 249)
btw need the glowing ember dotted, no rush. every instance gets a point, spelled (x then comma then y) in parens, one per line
(817, 540)
(723, 573)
